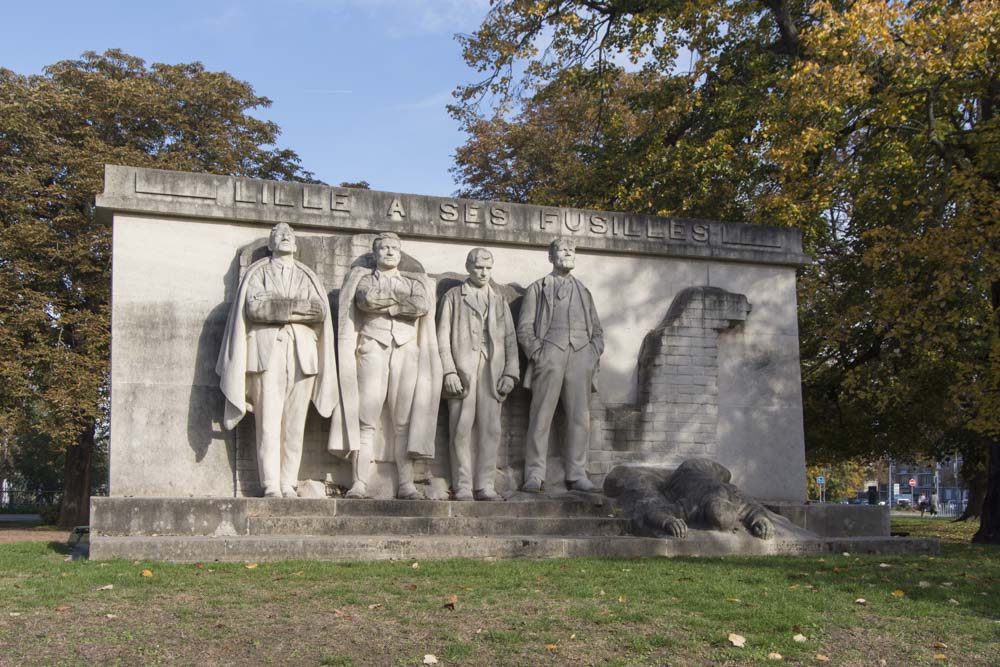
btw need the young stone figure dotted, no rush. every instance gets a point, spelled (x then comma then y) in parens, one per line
(478, 347)
(386, 328)
(277, 356)
(562, 337)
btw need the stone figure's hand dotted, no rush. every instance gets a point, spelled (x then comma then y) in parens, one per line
(505, 385)
(453, 384)
(674, 526)
(762, 528)
(307, 307)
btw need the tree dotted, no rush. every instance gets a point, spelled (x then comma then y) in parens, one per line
(57, 130)
(869, 125)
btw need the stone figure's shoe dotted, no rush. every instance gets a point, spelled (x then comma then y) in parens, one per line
(583, 484)
(463, 494)
(533, 485)
(359, 490)
(486, 494)
(289, 492)
(271, 492)
(408, 492)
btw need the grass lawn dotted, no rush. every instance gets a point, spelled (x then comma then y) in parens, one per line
(918, 610)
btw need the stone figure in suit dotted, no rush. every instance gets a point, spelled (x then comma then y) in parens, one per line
(478, 346)
(388, 361)
(277, 356)
(561, 335)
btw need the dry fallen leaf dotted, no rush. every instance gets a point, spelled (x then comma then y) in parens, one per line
(774, 656)
(412, 587)
(953, 601)
(733, 600)
(106, 588)
(552, 647)
(416, 566)
(861, 601)
(147, 573)
(940, 645)
(898, 593)
(340, 613)
(450, 602)
(739, 641)
(601, 593)
(884, 565)
(940, 656)
(63, 607)
(822, 658)
(377, 605)
(573, 636)
(430, 658)
(799, 638)
(924, 584)
(621, 599)
(110, 616)
(251, 566)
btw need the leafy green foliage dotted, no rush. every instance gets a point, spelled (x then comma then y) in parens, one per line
(57, 130)
(870, 126)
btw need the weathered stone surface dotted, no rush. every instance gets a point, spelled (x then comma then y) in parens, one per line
(131, 189)
(311, 488)
(698, 493)
(831, 520)
(381, 547)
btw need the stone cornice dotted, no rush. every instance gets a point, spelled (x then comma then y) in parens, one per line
(205, 196)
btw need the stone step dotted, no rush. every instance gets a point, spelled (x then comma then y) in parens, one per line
(435, 525)
(426, 508)
(395, 547)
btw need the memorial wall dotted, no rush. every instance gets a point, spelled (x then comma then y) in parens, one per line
(700, 338)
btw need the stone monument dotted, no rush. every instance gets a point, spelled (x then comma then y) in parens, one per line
(276, 357)
(478, 346)
(698, 359)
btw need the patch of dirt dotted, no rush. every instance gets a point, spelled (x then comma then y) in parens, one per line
(14, 532)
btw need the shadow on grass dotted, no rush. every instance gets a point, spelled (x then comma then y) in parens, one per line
(60, 548)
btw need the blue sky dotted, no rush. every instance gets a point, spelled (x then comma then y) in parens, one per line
(359, 86)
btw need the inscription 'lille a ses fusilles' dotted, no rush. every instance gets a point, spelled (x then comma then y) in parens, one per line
(322, 206)
(549, 220)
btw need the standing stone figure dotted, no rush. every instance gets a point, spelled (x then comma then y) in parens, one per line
(277, 356)
(478, 346)
(388, 360)
(562, 337)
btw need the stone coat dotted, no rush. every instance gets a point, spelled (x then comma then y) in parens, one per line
(458, 331)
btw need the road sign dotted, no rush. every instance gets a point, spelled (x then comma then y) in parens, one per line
(821, 480)
(913, 482)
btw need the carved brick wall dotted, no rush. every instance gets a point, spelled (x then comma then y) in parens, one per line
(677, 413)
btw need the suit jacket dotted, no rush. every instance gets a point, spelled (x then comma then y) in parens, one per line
(536, 317)
(458, 332)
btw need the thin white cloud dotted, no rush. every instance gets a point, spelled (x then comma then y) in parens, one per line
(436, 101)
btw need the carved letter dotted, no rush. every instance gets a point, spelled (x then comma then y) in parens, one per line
(312, 197)
(629, 231)
(547, 218)
(472, 214)
(652, 224)
(700, 232)
(498, 216)
(449, 212)
(340, 202)
(246, 191)
(567, 216)
(396, 211)
(676, 230)
(598, 224)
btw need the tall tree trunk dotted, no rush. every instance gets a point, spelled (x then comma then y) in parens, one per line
(989, 522)
(75, 507)
(974, 478)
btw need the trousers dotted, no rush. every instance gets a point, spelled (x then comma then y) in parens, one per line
(280, 397)
(387, 378)
(560, 376)
(474, 425)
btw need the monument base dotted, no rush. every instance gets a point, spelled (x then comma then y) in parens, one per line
(269, 529)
